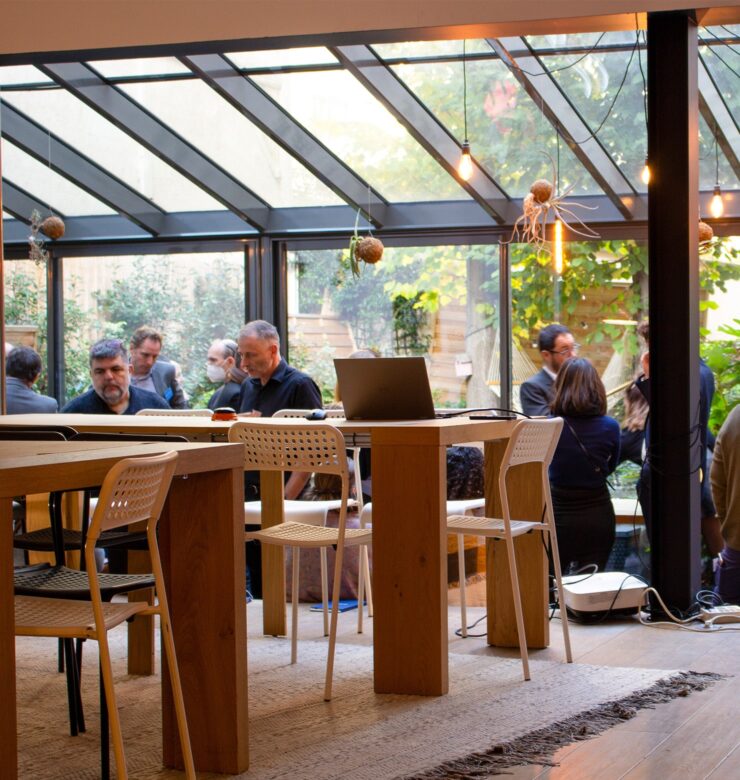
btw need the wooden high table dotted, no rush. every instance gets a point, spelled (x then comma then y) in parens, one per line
(201, 542)
(409, 536)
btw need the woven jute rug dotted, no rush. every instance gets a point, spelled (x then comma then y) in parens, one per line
(490, 720)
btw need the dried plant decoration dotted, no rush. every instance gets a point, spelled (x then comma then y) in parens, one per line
(367, 249)
(51, 227)
(706, 236)
(541, 204)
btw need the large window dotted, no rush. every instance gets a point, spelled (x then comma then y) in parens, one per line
(191, 298)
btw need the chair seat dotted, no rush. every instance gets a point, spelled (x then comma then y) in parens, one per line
(487, 526)
(35, 616)
(62, 582)
(458, 506)
(302, 535)
(42, 540)
(308, 512)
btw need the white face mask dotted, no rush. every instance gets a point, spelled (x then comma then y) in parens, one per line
(215, 374)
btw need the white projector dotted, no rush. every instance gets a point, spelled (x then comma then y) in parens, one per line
(603, 592)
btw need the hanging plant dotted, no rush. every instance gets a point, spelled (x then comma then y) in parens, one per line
(51, 227)
(706, 234)
(542, 203)
(367, 249)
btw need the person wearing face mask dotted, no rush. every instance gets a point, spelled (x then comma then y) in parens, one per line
(221, 369)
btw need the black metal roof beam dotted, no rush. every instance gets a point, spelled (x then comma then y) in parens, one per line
(21, 203)
(433, 136)
(80, 170)
(126, 114)
(720, 119)
(251, 101)
(539, 84)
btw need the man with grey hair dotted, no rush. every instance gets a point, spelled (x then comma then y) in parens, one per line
(23, 367)
(111, 391)
(271, 384)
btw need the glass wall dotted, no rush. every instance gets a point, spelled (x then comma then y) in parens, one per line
(191, 298)
(441, 302)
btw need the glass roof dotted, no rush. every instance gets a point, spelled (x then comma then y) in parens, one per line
(374, 127)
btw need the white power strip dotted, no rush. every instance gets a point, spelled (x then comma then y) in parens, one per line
(729, 613)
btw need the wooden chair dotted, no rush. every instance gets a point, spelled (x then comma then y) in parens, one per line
(73, 604)
(308, 446)
(531, 441)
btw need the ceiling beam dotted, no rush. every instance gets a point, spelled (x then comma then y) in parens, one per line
(254, 103)
(717, 115)
(539, 84)
(126, 114)
(421, 124)
(21, 204)
(80, 170)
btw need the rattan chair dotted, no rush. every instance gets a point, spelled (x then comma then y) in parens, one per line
(134, 491)
(176, 412)
(310, 446)
(531, 441)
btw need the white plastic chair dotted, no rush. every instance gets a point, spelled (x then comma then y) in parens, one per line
(133, 491)
(316, 447)
(531, 441)
(175, 412)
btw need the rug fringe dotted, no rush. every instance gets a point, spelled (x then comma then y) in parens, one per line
(537, 747)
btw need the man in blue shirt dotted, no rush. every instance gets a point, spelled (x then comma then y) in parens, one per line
(271, 385)
(111, 392)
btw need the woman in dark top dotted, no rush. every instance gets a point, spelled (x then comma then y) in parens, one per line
(588, 451)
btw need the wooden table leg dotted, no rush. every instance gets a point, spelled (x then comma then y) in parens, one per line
(202, 542)
(8, 738)
(141, 628)
(525, 497)
(409, 569)
(273, 557)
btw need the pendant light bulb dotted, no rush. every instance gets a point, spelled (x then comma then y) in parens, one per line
(465, 166)
(558, 247)
(716, 205)
(645, 175)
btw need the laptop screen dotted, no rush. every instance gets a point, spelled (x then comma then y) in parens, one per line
(394, 388)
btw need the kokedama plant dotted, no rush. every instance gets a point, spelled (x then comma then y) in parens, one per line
(368, 249)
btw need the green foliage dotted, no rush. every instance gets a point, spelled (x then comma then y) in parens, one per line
(723, 357)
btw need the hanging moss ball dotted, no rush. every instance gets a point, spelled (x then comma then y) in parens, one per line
(705, 232)
(369, 249)
(542, 190)
(53, 227)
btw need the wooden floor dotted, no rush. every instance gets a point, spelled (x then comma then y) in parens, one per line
(693, 737)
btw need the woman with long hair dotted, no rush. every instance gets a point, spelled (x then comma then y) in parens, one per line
(587, 453)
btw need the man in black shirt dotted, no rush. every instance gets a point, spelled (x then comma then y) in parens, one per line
(271, 385)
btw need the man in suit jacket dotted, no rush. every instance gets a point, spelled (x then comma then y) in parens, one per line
(22, 369)
(149, 373)
(556, 345)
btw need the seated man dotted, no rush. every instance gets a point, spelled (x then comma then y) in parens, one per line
(150, 373)
(221, 369)
(23, 368)
(271, 385)
(556, 345)
(112, 392)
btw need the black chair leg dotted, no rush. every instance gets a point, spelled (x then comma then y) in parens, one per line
(104, 732)
(72, 692)
(60, 656)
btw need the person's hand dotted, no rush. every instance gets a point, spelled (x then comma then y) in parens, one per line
(645, 363)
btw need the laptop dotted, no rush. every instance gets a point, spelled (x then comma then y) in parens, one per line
(394, 388)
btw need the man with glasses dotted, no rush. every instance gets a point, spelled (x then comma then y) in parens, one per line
(112, 392)
(556, 345)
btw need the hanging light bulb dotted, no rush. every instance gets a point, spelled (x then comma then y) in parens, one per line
(465, 166)
(716, 205)
(645, 175)
(558, 247)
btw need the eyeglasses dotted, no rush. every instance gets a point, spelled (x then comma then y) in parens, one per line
(566, 351)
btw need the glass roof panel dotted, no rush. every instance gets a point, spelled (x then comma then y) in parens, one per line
(508, 135)
(309, 55)
(147, 66)
(120, 155)
(22, 74)
(46, 185)
(344, 116)
(614, 112)
(232, 141)
(713, 165)
(412, 49)
(564, 41)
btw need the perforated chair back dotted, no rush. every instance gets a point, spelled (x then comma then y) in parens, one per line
(268, 446)
(176, 412)
(532, 441)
